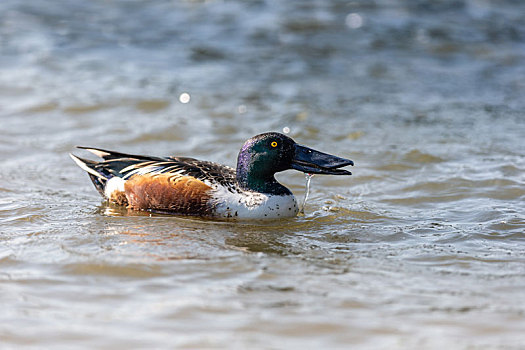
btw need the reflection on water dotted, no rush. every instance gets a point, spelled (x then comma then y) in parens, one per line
(422, 245)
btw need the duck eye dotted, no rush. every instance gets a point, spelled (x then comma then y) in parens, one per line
(274, 144)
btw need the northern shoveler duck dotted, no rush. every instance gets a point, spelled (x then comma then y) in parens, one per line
(187, 186)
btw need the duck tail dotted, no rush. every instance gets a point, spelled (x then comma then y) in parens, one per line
(98, 176)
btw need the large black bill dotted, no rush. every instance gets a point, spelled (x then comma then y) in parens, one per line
(311, 161)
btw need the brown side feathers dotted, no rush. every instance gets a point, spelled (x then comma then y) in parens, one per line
(166, 193)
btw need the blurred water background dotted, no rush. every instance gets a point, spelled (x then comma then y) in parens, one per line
(422, 248)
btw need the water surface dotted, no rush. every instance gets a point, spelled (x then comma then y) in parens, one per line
(421, 248)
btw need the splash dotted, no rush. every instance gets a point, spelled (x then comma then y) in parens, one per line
(307, 191)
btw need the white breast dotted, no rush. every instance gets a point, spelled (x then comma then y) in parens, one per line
(253, 205)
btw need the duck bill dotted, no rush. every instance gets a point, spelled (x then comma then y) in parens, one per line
(311, 161)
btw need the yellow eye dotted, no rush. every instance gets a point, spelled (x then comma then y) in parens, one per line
(273, 144)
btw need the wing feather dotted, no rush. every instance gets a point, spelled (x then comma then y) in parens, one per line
(127, 165)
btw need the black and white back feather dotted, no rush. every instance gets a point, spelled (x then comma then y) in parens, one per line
(126, 165)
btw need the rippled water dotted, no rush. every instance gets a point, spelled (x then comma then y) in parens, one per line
(423, 247)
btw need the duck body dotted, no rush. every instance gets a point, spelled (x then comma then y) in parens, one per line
(187, 186)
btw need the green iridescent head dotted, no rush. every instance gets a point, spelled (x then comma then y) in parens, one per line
(266, 154)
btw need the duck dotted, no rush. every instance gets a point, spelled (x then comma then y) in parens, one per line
(191, 187)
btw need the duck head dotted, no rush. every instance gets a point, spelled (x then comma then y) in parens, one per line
(266, 154)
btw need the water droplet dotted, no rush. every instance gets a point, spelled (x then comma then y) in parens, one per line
(242, 109)
(354, 20)
(286, 130)
(307, 191)
(184, 97)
